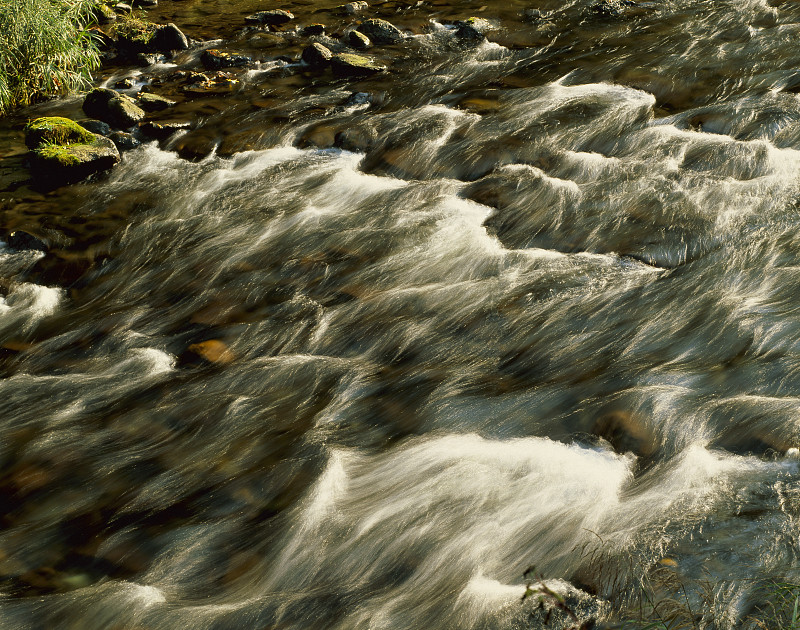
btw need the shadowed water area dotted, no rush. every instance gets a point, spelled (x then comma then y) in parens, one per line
(356, 353)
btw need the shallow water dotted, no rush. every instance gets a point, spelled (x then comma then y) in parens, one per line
(528, 303)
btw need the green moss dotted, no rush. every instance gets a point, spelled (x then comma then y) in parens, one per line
(135, 29)
(55, 130)
(61, 154)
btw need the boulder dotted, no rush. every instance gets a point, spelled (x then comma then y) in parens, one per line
(169, 38)
(153, 102)
(358, 40)
(63, 152)
(381, 32)
(316, 55)
(214, 59)
(124, 141)
(139, 37)
(355, 66)
(96, 126)
(113, 108)
(275, 17)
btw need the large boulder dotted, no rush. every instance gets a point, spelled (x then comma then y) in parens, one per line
(168, 38)
(111, 107)
(63, 152)
(381, 32)
(356, 66)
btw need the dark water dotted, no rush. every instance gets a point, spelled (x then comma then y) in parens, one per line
(532, 301)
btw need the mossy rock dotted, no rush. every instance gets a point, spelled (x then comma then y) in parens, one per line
(57, 164)
(55, 130)
(355, 66)
(381, 32)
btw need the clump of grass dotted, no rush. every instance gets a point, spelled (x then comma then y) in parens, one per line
(134, 28)
(46, 49)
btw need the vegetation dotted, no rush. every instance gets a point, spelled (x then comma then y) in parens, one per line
(45, 49)
(134, 28)
(55, 130)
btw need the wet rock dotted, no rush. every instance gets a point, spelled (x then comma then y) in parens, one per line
(275, 17)
(124, 84)
(216, 85)
(357, 40)
(534, 15)
(316, 55)
(104, 14)
(20, 240)
(312, 30)
(214, 59)
(123, 7)
(381, 32)
(124, 141)
(113, 108)
(350, 65)
(169, 38)
(63, 152)
(96, 126)
(626, 432)
(351, 8)
(358, 99)
(150, 102)
(472, 29)
(144, 59)
(163, 129)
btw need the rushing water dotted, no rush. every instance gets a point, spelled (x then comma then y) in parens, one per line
(528, 302)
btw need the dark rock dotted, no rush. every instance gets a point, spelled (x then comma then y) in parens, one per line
(316, 55)
(54, 165)
(164, 129)
(381, 32)
(220, 83)
(350, 65)
(169, 38)
(103, 41)
(144, 59)
(358, 40)
(20, 240)
(113, 108)
(124, 141)
(275, 17)
(313, 29)
(144, 4)
(96, 126)
(124, 84)
(534, 15)
(214, 59)
(472, 29)
(153, 102)
(358, 99)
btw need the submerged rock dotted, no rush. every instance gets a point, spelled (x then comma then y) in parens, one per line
(63, 152)
(150, 102)
(163, 129)
(214, 59)
(350, 65)
(358, 40)
(20, 240)
(275, 17)
(381, 32)
(210, 352)
(113, 108)
(316, 55)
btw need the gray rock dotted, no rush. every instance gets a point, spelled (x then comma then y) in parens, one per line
(275, 17)
(316, 55)
(96, 126)
(381, 32)
(355, 66)
(153, 102)
(124, 141)
(358, 40)
(20, 240)
(214, 59)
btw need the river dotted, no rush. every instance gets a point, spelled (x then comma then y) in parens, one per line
(356, 354)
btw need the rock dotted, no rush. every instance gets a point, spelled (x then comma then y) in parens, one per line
(316, 55)
(104, 14)
(212, 351)
(113, 108)
(54, 130)
(169, 38)
(351, 8)
(153, 102)
(350, 65)
(275, 17)
(611, 8)
(20, 240)
(626, 432)
(123, 7)
(124, 84)
(358, 40)
(96, 126)
(64, 152)
(220, 83)
(473, 29)
(163, 129)
(381, 32)
(214, 59)
(124, 141)
(358, 99)
(534, 15)
(313, 29)
(103, 41)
